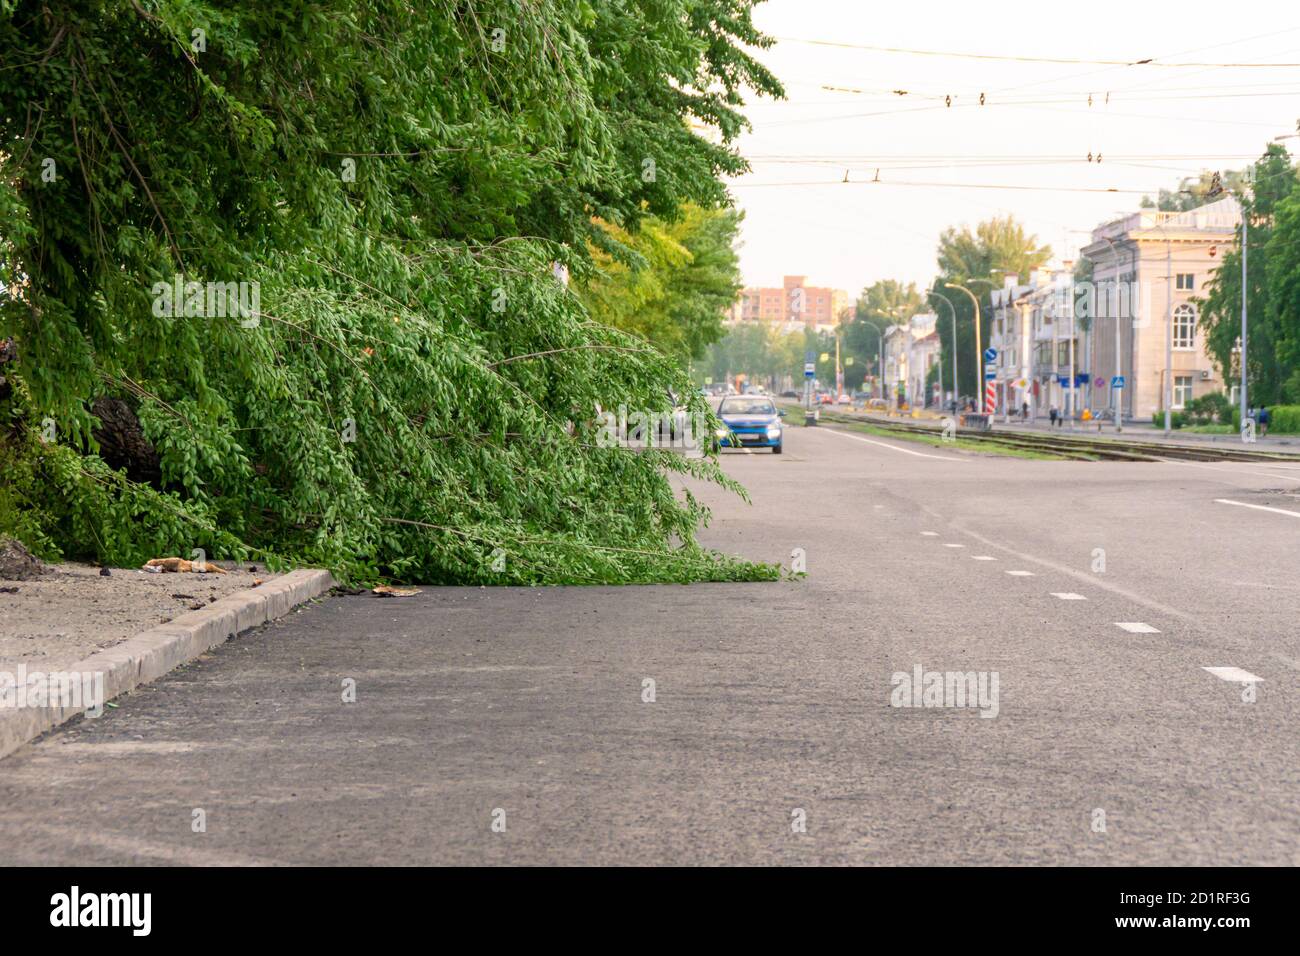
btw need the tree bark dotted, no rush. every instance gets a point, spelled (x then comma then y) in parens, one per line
(122, 443)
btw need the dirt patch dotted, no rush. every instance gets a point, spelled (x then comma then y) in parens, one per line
(72, 610)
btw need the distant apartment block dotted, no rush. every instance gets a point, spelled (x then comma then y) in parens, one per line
(794, 304)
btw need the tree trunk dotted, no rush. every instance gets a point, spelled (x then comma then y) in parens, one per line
(122, 443)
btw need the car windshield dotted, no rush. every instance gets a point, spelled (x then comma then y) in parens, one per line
(747, 406)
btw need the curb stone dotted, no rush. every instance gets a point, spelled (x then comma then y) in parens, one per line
(153, 653)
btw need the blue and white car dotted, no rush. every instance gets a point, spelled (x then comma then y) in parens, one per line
(752, 421)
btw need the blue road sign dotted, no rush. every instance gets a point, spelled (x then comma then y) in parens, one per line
(990, 355)
(1117, 381)
(810, 370)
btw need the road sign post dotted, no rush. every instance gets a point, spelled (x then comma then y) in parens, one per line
(1117, 386)
(809, 373)
(990, 381)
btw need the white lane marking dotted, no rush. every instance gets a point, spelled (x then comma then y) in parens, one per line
(1136, 627)
(930, 534)
(905, 451)
(1021, 574)
(954, 545)
(1233, 471)
(1234, 674)
(1243, 504)
(983, 557)
(1068, 596)
(1083, 577)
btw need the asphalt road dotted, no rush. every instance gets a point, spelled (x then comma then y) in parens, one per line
(1109, 745)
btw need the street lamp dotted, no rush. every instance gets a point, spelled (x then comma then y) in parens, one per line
(894, 314)
(1116, 407)
(953, 312)
(880, 356)
(979, 348)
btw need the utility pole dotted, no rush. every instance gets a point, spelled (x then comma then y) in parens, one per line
(1073, 400)
(880, 355)
(952, 312)
(1245, 292)
(1117, 406)
(1169, 336)
(979, 348)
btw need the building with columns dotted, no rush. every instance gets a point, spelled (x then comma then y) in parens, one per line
(1148, 268)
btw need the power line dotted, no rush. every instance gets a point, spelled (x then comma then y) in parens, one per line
(884, 182)
(1147, 61)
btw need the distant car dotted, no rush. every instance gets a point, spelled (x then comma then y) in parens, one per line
(789, 393)
(826, 398)
(877, 405)
(751, 422)
(843, 400)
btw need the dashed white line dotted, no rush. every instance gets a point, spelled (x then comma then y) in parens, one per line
(1234, 674)
(1021, 574)
(1068, 596)
(949, 545)
(983, 557)
(1136, 627)
(1243, 504)
(930, 534)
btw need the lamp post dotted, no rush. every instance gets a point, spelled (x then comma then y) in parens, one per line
(1116, 406)
(979, 348)
(894, 314)
(953, 312)
(1245, 292)
(880, 356)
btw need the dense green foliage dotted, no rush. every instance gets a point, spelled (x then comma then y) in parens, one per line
(881, 304)
(413, 396)
(768, 355)
(1272, 203)
(676, 292)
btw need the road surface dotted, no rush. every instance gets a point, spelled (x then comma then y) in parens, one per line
(513, 726)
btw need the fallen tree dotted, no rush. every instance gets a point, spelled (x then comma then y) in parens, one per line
(311, 250)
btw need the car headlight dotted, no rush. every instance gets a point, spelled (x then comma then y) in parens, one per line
(773, 431)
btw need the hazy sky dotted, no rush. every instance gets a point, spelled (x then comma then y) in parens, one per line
(1036, 128)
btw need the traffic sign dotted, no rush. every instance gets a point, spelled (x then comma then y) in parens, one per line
(1117, 381)
(990, 355)
(810, 370)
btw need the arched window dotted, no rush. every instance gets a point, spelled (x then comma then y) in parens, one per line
(1185, 326)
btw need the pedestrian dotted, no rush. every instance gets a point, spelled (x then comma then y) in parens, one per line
(1024, 411)
(1051, 415)
(1263, 420)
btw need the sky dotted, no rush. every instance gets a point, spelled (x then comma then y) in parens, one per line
(1150, 125)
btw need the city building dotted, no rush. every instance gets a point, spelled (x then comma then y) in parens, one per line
(792, 306)
(1147, 269)
(911, 350)
(1038, 340)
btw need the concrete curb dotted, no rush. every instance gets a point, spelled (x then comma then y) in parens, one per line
(154, 652)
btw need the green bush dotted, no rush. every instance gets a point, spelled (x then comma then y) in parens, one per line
(1284, 419)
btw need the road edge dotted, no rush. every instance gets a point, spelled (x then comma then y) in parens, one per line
(159, 650)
